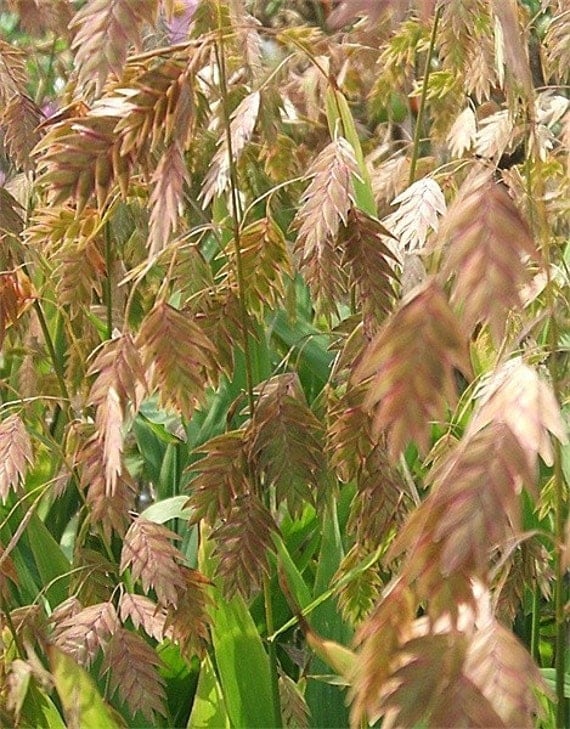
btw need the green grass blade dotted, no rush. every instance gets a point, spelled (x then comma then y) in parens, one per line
(240, 657)
(39, 710)
(52, 564)
(209, 709)
(243, 665)
(327, 702)
(82, 703)
(167, 509)
(339, 115)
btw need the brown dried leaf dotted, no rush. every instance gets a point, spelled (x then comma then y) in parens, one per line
(105, 31)
(82, 633)
(132, 669)
(148, 551)
(411, 364)
(487, 241)
(15, 454)
(179, 355)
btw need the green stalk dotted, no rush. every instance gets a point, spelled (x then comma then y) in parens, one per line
(423, 97)
(109, 282)
(237, 215)
(55, 360)
(538, 212)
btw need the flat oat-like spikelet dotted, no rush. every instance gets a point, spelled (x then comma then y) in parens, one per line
(168, 180)
(15, 454)
(371, 264)
(79, 273)
(473, 508)
(143, 612)
(357, 597)
(109, 508)
(265, 265)
(156, 102)
(13, 77)
(79, 158)
(105, 31)
(120, 384)
(82, 633)
(132, 669)
(418, 209)
(557, 44)
(462, 133)
(11, 212)
(187, 623)
(294, 709)
(16, 295)
(411, 364)
(379, 639)
(19, 120)
(179, 355)
(220, 477)
(242, 126)
(324, 205)
(516, 396)
(242, 546)
(505, 674)
(487, 242)
(152, 558)
(285, 443)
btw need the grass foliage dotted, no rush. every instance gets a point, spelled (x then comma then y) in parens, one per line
(284, 374)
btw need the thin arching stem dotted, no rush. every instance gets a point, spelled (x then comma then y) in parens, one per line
(237, 217)
(423, 97)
